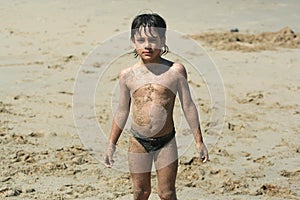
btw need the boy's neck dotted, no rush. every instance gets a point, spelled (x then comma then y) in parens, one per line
(155, 60)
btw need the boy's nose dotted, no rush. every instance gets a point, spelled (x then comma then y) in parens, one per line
(147, 44)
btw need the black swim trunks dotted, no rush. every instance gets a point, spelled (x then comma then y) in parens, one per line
(153, 144)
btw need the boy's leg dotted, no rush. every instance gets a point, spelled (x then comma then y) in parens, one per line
(141, 185)
(140, 164)
(166, 163)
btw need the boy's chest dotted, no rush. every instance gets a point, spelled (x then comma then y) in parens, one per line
(153, 83)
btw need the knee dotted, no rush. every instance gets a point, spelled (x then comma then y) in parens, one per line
(140, 193)
(167, 195)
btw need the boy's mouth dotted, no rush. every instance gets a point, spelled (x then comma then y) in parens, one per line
(147, 52)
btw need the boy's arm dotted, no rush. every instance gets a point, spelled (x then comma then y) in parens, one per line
(122, 110)
(119, 120)
(190, 111)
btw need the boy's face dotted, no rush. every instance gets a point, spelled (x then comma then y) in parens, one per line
(148, 43)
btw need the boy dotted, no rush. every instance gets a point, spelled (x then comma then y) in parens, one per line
(151, 86)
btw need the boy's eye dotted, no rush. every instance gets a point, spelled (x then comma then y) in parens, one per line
(140, 40)
(152, 40)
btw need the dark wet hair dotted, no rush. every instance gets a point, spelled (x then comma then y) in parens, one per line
(150, 20)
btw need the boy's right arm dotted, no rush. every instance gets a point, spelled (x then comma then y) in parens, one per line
(119, 120)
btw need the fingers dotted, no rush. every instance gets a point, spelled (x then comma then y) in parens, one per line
(108, 158)
(204, 159)
(108, 161)
(204, 155)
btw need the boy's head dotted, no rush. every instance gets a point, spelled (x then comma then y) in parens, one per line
(148, 20)
(149, 26)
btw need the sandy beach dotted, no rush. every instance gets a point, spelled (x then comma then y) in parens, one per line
(254, 45)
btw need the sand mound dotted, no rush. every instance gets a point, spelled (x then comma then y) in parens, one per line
(235, 41)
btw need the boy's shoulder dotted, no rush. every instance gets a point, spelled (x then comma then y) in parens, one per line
(179, 68)
(130, 69)
(126, 71)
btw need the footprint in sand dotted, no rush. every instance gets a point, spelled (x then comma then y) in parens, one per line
(252, 97)
(235, 126)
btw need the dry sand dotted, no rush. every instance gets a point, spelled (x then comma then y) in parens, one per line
(43, 45)
(284, 38)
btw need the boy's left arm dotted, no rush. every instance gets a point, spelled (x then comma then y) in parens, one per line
(190, 112)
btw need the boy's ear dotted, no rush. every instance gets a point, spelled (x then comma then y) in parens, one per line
(132, 39)
(132, 42)
(163, 40)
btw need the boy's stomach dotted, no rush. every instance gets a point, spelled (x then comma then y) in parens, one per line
(152, 120)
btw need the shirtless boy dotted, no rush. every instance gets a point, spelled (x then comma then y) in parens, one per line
(150, 87)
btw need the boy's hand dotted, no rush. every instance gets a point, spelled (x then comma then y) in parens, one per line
(203, 153)
(108, 158)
